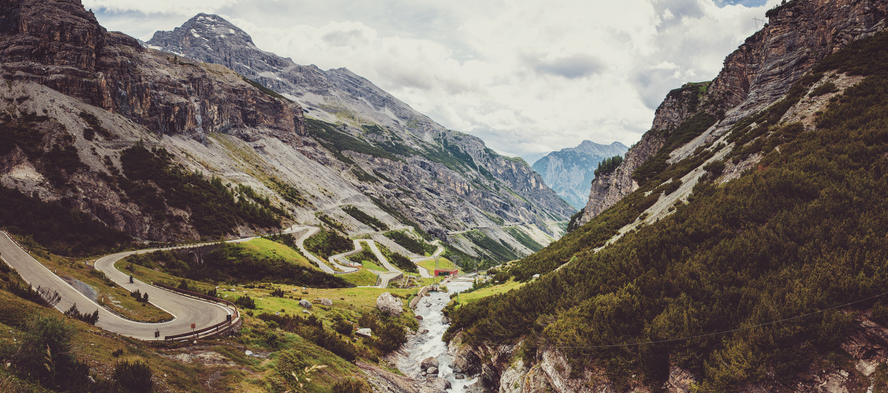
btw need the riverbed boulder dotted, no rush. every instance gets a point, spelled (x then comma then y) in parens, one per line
(389, 304)
(428, 363)
(432, 371)
(305, 303)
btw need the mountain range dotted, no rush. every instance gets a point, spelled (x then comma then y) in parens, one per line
(277, 143)
(570, 171)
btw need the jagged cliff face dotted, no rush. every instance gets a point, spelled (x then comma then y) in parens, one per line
(757, 74)
(64, 48)
(443, 180)
(570, 171)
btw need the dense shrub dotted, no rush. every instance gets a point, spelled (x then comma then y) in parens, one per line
(214, 209)
(61, 230)
(133, 376)
(326, 243)
(46, 355)
(91, 319)
(409, 243)
(245, 302)
(231, 263)
(365, 218)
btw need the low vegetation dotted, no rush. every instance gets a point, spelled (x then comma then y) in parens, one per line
(416, 246)
(154, 183)
(365, 218)
(327, 243)
(237, 263)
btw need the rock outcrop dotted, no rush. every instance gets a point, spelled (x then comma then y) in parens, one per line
(570, 171)
(63, 47)
(389, 304)
(799, 34)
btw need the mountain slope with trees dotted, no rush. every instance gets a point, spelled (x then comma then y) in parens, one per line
(750, 259)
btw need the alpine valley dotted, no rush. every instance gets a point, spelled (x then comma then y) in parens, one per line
(239, 222)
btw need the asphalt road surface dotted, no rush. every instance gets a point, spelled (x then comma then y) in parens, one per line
(186, 310)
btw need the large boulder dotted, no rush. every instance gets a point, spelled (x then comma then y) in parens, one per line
(305, 303)
(428, 363)
(389, 304)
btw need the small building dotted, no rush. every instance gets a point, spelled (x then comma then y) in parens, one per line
(446, 272)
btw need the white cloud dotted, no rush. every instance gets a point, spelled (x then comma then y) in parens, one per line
(525, 75)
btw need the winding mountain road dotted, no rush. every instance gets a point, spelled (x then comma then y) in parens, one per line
(185, 310)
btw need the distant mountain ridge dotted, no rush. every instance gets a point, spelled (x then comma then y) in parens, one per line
(570, 171)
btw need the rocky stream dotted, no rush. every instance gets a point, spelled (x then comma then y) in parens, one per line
(425, 357)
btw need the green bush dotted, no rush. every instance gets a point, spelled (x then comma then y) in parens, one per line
(46, 355)
(245, 302)
(214, 209)
(133, 376)
(91, 319)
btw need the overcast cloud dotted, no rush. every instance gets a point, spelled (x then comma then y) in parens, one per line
(526, 76)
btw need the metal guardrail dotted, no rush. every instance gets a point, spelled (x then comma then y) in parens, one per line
(225, 326)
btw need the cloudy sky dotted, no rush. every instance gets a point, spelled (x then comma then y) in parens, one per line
(527, 76)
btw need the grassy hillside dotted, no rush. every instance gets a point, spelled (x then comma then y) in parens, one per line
(291, 350)
(793, 238)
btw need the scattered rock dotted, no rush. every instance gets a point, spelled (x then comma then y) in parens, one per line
(459, 376)
(389, 304)
(366, 332)
(419, 317)
(432, 370)
(325, 302)
(306, 312)
(305, 303)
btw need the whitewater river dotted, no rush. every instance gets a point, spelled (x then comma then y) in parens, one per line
(428, 343)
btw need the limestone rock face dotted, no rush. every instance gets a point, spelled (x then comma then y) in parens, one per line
(757, 74)
(389, 304)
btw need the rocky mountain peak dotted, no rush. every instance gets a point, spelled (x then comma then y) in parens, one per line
(201, 30)
(570, 171)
